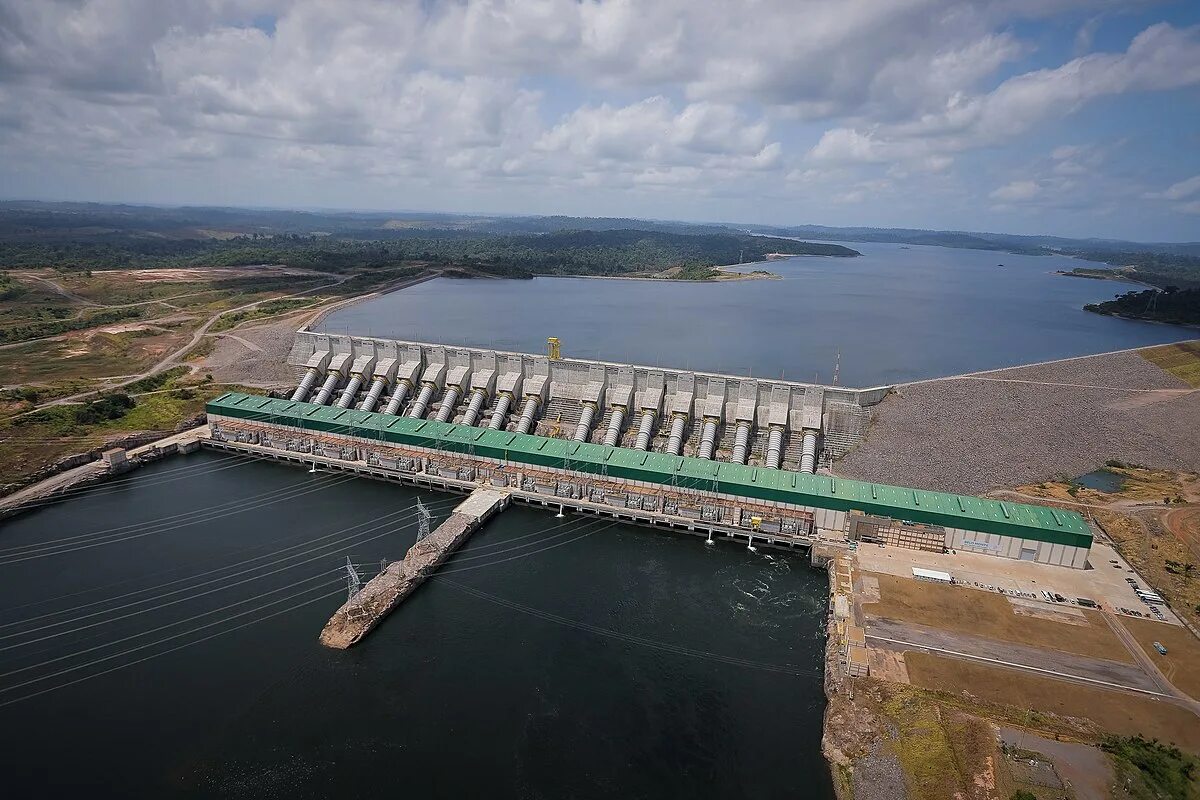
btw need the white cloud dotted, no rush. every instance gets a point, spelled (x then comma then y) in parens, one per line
(1160, 57)
(1179, 191)
(701, 99)
(1016, 191)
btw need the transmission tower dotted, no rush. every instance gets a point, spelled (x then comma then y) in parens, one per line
(423, 520)
(353, 582)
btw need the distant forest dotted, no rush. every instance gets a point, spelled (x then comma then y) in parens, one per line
(97, 241)
(104, 236)
(1158, 269)
(1179, 306)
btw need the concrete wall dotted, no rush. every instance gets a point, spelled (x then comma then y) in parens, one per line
(1013, 547)
(730, 397)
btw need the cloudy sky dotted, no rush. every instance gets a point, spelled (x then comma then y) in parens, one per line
(1076, 117)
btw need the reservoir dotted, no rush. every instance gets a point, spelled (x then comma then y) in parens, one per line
(897, 313)
(159, 639)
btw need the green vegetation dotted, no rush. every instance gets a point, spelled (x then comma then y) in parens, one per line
(270, 308)
(10, 289)
(695, 272)
(1153, 771)
(1023, 794)
(1156, 268)
(108, 407)
(1181, 360)
(563, 252)
(1180, 306)
(158, 380)
(40, 330)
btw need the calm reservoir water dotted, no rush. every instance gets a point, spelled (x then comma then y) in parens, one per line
(896, 313)
(159, 639)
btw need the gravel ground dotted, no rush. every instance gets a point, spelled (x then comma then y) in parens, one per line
(1118, 370)
(232, 361)
(1025, 425)
(879, 776)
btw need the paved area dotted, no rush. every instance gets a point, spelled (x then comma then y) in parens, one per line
(888, 634)
(971, 434)
(1104, 582)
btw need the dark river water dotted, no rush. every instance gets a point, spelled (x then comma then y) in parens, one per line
(159, 639)
(896, 313)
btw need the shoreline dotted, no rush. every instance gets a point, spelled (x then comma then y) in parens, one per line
(726, 276)
(95, 472)
(1115, 277)
(1192, 325)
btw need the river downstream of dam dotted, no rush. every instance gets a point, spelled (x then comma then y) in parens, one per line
(896, 313)
(158, 638)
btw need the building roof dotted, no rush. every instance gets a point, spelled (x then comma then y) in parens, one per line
(1037, 522)
(931, 574)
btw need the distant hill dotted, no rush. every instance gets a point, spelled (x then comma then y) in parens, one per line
(96, 233)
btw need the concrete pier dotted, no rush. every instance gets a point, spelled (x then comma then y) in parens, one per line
(385, 591)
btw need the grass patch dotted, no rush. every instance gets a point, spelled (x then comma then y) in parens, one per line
(158, 380)
(1048, 704)
(1181, 360)
(922, 746)
(34, 441)
(983, 614)
(40, 330)
(268, 309)
(1151, 771)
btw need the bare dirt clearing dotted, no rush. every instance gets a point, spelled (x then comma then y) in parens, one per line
(1181, 664)
(203, 274)
(1112, 711)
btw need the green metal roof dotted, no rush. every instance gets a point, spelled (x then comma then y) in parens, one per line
(1037, 522)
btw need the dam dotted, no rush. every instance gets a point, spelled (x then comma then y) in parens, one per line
(719, 456)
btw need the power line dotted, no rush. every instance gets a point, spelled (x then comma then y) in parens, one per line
(115, 484)
(249, 548)
(197, 575)
(199, 594)
(178, 647)
(142, 523)
(254, 503)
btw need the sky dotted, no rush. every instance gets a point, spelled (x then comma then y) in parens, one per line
(1068, 117)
